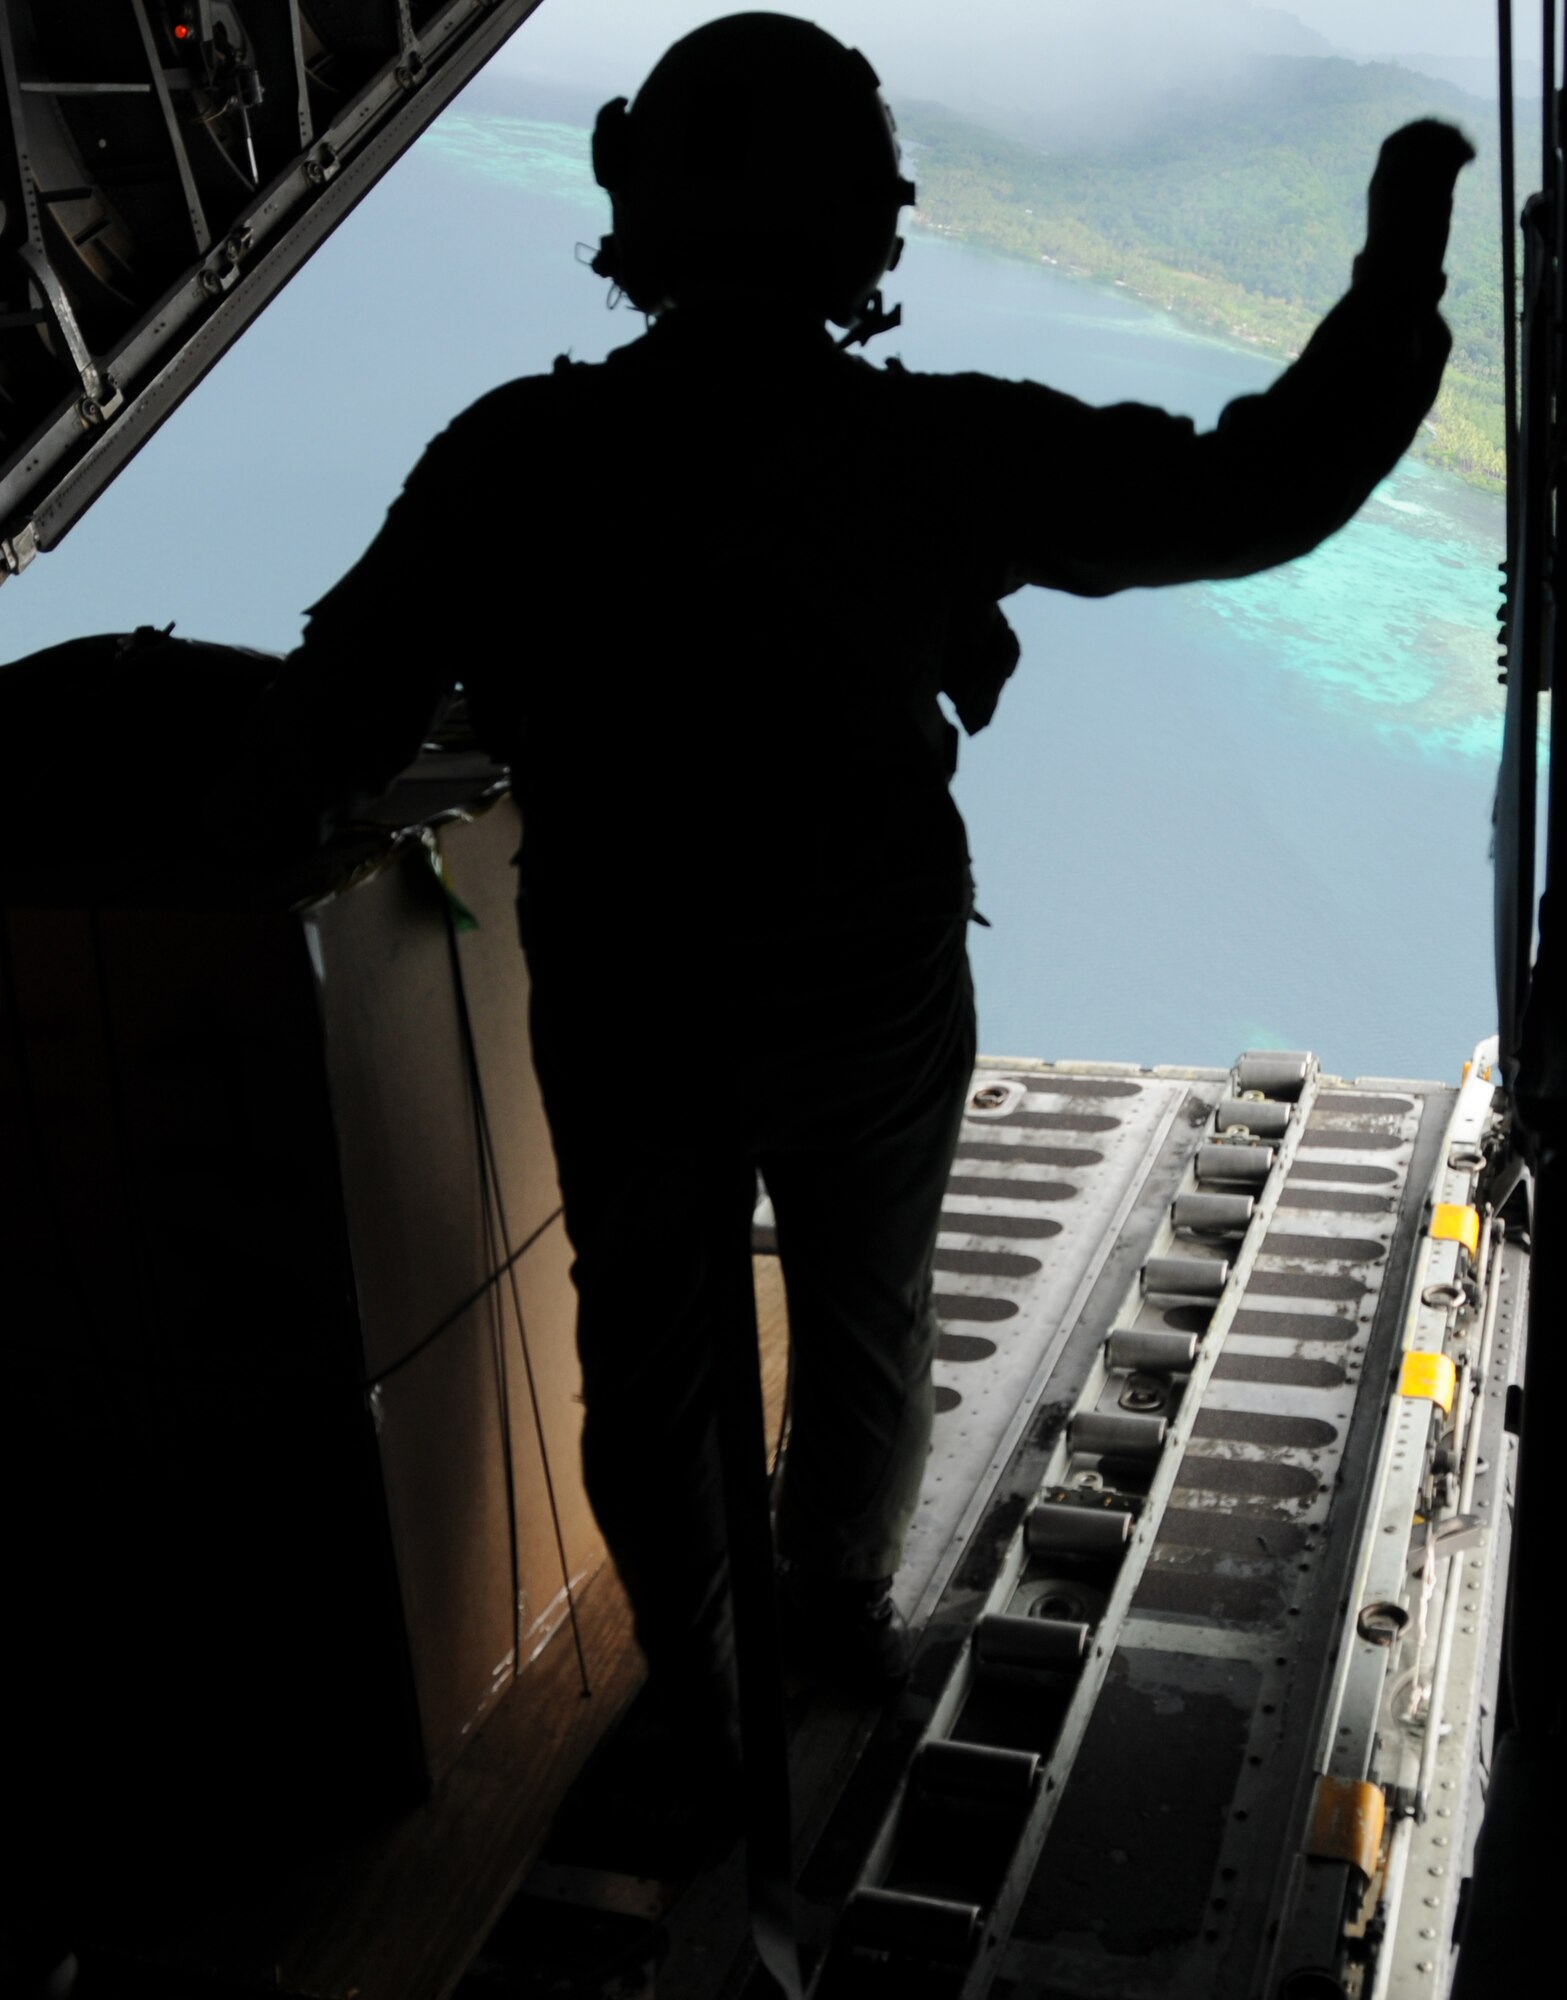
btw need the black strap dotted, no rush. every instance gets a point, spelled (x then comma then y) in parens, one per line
(763, 1735)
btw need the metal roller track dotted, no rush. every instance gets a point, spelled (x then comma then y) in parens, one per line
(1119, 1451)
(1160, 1873)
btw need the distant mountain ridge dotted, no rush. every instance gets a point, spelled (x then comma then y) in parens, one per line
(1475, 74)
(1241, 212)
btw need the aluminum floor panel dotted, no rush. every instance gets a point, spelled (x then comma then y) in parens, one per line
(1003, 1324)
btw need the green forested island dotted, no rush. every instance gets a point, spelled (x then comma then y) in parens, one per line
(1241, 213)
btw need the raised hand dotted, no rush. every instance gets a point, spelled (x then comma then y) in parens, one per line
(1409, 205)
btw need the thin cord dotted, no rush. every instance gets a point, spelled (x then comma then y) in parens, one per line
(538, 1425)
(473, 1298)
(487, 1143)
(502, 1386)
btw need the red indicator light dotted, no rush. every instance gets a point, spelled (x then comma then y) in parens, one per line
(181, 32)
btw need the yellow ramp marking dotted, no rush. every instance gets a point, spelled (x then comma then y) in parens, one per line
(1347, 1817)
(1454, 1222)
(1432, 1376)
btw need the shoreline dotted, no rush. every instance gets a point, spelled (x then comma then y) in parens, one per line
(1227, 336)
(1079, 274)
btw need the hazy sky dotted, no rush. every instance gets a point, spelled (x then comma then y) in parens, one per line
(588, 38)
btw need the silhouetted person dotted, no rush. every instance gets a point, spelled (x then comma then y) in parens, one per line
(703, 598)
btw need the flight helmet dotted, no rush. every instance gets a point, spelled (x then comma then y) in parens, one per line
(759, 155)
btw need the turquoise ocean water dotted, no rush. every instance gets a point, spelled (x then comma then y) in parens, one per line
(1224, 815)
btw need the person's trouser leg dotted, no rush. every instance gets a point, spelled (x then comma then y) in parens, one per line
(857, 1215)
(649, 1217)
(648, 1322)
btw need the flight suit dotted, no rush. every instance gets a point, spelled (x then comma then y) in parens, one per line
(703, 599)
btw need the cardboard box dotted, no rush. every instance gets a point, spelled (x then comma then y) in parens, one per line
(267, 1353)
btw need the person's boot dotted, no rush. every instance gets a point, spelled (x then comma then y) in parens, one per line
(684, 1747)
(844, 1632)
(664, 1794)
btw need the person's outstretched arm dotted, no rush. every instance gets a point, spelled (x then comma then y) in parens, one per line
(1097, 500)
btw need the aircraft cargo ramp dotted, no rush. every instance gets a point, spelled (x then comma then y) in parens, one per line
(1205, 1574)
